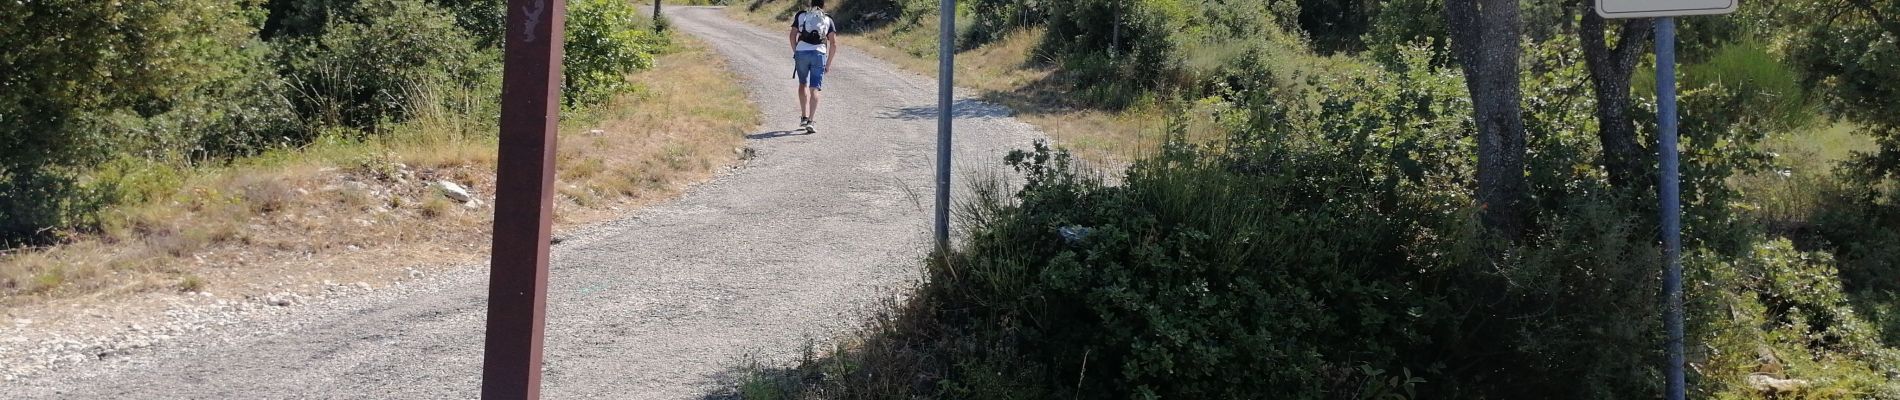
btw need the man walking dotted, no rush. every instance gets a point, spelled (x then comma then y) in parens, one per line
(813, 44)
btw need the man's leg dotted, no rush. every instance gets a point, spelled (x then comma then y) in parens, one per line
(813, 111)
(817, 84)
(802, 67)
(802, 113)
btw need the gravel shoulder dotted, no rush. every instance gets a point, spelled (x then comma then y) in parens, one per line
(789, 248)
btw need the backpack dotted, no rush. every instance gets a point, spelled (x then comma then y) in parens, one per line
(813, 25)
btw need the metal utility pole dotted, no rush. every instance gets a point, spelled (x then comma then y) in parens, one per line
(1671, 200)
(1669, 187)
(518, 278)
(946, 88)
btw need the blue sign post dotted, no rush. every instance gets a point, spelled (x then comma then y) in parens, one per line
(1669, 186)
(1671, 195)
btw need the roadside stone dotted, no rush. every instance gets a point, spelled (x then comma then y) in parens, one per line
(1775, 386)
(453, 191)
(415, 273)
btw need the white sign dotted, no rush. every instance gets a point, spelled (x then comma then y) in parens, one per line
(1662, 8)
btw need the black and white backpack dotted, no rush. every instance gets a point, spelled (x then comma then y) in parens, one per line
(813, 26)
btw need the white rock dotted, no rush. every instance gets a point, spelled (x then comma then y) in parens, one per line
(1773, 385)
(453, 191)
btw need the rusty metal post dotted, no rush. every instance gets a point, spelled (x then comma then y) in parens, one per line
(518, 278)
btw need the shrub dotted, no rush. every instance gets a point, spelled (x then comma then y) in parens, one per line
(1397, 25)
(1135, 50)
(482, 19)
(992, 19)
(364, 70)
(1850, 54)
(1862, 227)
(604, 44)
(1330, 250)
(1781, 313)
(84, 80)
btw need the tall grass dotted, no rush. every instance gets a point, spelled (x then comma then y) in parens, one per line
(171, 220)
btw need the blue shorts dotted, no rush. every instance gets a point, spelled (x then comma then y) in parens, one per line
(809, 67)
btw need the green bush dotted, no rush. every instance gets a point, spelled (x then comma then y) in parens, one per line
(482, 19)
(1132, 52)
(992, 19)
(82, 81)
(1397, 25)
(1851, 54)
(604, 44)
(364, 71)
(1862, 227)
(1781, 313)
(1330, 250)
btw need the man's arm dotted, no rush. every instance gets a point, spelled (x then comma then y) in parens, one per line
(831, 51)
(792, 35)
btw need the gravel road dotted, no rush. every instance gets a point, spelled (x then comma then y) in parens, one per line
(792, 246)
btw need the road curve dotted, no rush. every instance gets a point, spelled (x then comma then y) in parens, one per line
(656, 305)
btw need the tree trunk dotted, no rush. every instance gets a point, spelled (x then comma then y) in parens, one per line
(657, 26)
(1626, 158)
(1485, 38)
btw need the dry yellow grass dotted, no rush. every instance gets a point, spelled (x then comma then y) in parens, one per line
(1007, 71)
(340, 211)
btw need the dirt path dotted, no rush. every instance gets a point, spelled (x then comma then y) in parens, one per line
(656, 305)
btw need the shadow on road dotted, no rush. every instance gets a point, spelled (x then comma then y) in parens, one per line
(963, 109)
(776, 134)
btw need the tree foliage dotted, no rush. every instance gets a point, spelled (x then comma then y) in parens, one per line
(1851, 49)
(602, 48)
(82, 80)
(202, 81)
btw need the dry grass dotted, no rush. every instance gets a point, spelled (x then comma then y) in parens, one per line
(1789, 196)
(339, 210)
(1008, 71)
